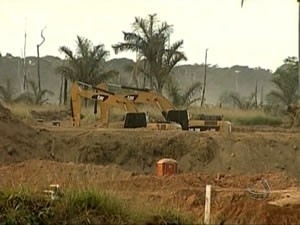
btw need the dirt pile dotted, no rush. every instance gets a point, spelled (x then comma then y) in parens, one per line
(19, 141)
(210, 152)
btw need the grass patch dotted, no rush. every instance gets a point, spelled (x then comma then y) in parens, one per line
(241, 117)
(235, 115)
(78, 207)
(259, 120)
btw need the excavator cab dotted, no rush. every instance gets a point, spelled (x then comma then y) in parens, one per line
(135, 120)
(179, 116)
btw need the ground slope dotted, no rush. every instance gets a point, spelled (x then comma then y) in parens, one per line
(19, 141)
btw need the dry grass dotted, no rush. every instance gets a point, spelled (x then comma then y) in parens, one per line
(23, 110)
(228, 113)
(235, 115)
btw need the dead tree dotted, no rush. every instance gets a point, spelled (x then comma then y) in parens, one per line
(38, 61)
(204, 82)
(25, 83)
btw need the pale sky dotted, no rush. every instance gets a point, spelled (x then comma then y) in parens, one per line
(262, 33)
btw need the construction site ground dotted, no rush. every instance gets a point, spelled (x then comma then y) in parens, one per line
(123, 162)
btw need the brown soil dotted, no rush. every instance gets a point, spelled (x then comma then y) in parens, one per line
(19, 141)
(126, 162)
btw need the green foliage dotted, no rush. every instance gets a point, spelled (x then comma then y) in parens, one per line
(285, 79)
(34, 96)
(21, 208)
(180, 98)
(86, 64)
(78, 207)
(150, 39)
(259, 120)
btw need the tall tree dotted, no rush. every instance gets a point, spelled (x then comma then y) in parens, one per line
(38, 59)
(86, 64)
(151, 40)
(285, 79)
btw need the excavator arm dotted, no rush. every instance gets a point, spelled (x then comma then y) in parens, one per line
(179, 118)
(169, 111)
(105, 98)
(146, 96)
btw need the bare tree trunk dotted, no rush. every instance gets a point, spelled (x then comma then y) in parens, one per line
(38, 60)
(19, 76)
(61, 90)
(38, 68)
(65, 90)
(25, 84)
(262, 95)
(144, 81)
(204, 83)
(255, 100)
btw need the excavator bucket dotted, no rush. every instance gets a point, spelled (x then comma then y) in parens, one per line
(180, 117)
(135, 120)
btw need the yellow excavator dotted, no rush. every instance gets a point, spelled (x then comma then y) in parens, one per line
(174, 119)
(170, 113)
(79, 90)
(106, 100)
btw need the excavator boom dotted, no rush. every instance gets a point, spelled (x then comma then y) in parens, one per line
(178, 118)
(170, 113)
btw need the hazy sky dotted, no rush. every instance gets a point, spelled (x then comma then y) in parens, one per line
(262, 33)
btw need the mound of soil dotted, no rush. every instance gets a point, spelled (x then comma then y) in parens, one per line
(19, 141)
(210, 152)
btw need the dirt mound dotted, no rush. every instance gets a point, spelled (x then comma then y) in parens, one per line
(210, 152)
(19, 141)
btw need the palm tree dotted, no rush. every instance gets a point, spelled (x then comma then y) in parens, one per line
(186, 98)
(86, 64)
(151, 41)
(34, 96)
(242, 102)
(7, 92)
(285, 79)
